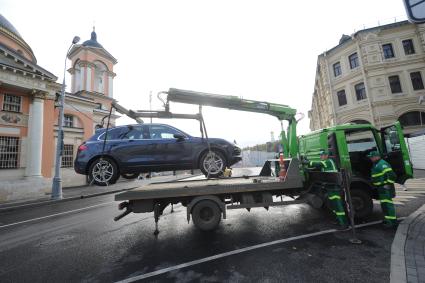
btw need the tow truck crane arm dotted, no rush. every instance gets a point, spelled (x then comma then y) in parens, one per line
(280, 111)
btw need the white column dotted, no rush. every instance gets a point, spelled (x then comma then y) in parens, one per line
(88, 77)
(110, 86)
(35, 140)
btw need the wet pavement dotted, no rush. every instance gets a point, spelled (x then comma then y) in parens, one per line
(78, 241)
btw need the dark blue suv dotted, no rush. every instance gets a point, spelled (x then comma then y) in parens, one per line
(134, 149)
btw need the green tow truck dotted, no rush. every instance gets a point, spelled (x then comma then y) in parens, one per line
(206, 201)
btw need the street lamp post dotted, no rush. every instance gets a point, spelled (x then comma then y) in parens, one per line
(57, 182)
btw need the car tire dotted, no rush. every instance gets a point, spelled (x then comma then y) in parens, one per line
(103, 172)
(130, 176)
(362, 203)
(206, 215)
(212, 164)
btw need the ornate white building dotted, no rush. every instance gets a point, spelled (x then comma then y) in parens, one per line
(375, 76)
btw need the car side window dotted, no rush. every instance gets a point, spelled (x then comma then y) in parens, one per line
(112, 134)
(132, 133)
(162, 132)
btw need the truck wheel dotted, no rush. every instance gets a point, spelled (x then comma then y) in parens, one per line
(103, 171)
(362, 203)
(206, 215)
(212, 164)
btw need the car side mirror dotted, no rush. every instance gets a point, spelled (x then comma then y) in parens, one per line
(179, 137)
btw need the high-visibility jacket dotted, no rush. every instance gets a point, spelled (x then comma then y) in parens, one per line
(327, 165)
(382, 174)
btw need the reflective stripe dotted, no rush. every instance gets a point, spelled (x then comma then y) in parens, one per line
(382, 173)
(340, 213)
(323, 163)
(386, 200)
(390, 217)
(311, 163)
(378, 183)
(334, 197)
(390, 181)
(383, 183)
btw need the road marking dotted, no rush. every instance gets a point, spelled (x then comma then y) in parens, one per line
(56, 214)
(238, 251)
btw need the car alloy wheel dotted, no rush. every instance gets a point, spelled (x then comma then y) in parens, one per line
(103, 171)
(213, 163)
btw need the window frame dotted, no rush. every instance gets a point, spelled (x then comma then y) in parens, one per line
(65, 121)
(395, 86)
(338, 95)
(356, 61)
(421, 80)
(15, 154)
(339, 68)
(14, 104)
(67, 156)
(385, 53)
(412, 46)
(364, 91)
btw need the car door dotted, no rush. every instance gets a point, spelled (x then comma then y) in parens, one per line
(133, 149)
(168, 151)
(395, 151)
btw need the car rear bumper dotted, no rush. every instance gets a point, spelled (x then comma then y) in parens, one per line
(80, 167)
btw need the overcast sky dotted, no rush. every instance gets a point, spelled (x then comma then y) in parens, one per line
(261, 50)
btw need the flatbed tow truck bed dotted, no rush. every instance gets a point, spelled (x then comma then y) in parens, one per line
(207, 200)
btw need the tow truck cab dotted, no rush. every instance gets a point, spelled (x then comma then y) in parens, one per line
(349, 145)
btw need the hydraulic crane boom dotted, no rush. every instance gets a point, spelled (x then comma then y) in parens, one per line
(280, 111)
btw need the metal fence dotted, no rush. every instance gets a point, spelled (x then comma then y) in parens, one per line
(9, 152)
(67, 155)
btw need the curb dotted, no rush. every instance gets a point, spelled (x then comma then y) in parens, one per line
(45, 202)
(398, 261)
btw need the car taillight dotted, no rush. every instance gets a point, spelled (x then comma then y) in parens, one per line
(82, 147)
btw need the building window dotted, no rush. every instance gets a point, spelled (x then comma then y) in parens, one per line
(360, 91)
(388, 51)
(354, 60)
(67, 156)
(337, 69)
(417, 82)
(12, 103)
(9, 152)
(68, 121)
(408, 47)
(395, 84)
(414, 118)
(359, 122)
(342, 98)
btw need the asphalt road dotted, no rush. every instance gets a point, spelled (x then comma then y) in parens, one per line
(78, 241)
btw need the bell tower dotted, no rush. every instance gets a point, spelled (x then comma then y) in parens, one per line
(92, 69)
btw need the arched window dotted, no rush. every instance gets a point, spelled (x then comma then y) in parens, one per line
(414, 118)
(360, 122)
(99, 77)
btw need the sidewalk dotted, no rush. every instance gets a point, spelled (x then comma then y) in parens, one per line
(74, 193)
(408, 249)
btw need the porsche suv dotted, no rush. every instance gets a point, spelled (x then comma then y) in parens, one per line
(134, 149)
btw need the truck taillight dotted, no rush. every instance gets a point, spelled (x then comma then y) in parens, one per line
(82, 147)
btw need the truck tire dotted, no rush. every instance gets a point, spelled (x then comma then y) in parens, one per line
(103, 172)
(212, 163)
(362, 203)
(206, 215)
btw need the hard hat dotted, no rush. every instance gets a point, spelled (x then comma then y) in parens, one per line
(373, 153)
(324, 152)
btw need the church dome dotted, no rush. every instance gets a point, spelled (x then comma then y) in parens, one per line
(10, 31)
(92, 42)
